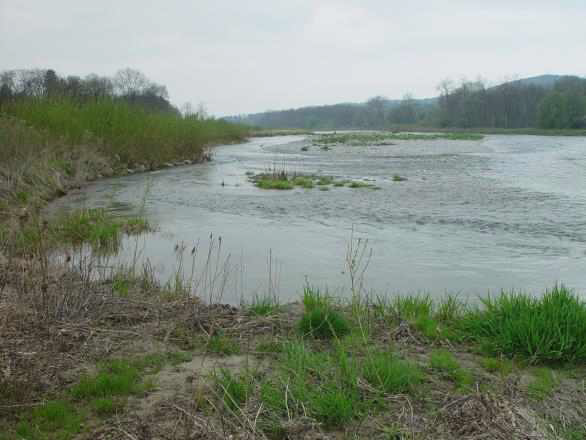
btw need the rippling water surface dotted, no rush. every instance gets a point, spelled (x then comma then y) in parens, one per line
(473, 216)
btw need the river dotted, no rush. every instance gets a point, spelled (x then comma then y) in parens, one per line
(474, 217)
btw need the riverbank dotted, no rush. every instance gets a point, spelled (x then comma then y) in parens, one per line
(50, 147)
(125, 357)
(88, 353)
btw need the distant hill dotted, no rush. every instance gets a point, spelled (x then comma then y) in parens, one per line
(545, 81)
(375, 113)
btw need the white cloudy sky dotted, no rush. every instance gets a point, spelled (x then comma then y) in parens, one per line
(253, 55)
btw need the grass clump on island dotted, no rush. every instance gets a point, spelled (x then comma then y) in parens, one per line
(272, 132)
(387, 138)
(283, 180)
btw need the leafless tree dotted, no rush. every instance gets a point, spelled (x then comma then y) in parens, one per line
(130, 82)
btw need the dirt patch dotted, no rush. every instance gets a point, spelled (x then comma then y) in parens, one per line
(482, 415)
(181, 381)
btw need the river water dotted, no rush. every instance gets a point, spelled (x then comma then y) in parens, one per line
(506, 212)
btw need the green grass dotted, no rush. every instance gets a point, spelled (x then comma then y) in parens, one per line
(433, 319)
(385, 138)
(270, 346)
(572, 431)
(56, 419)
(93, 226)
(313, 298)
(235, 389)
(397, 178)
(263, 305)
(325, 180)
(323, 385)
(445, 362)
(274, 184)
(334, 406)
(304, 182)
(105, 407)
(98, 228)
(356, 184)
(323, 322)
(116, 378)
(551, 328)
(543, 384)
(391, 374)
(136, 225)
(102, 394)
(129, 132)
(282, 180)
(269, 132)
(412, 307)
(223, 345)
(123, 377)
(502, 366)
(121, 285)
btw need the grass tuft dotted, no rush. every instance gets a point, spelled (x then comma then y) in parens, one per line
(221, 344)
(502, 366)
(105, 407)
(117, 377)
(55, 419)
(264, 305)
(235, 389)
(543, 384)
(323, 323)
(445, 362)
(390, 374)
(547, 329)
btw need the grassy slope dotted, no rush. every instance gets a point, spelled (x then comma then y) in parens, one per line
(47, 146)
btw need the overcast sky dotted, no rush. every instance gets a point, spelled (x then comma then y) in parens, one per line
(252, 55)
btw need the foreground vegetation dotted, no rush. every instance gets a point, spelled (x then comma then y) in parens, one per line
(157, 355)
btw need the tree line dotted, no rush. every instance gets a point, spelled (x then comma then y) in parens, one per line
(548, 102)
(128, 85)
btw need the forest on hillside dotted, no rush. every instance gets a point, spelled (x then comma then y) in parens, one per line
(549, 103)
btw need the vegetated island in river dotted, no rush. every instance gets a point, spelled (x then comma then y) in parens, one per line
(117, 354)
